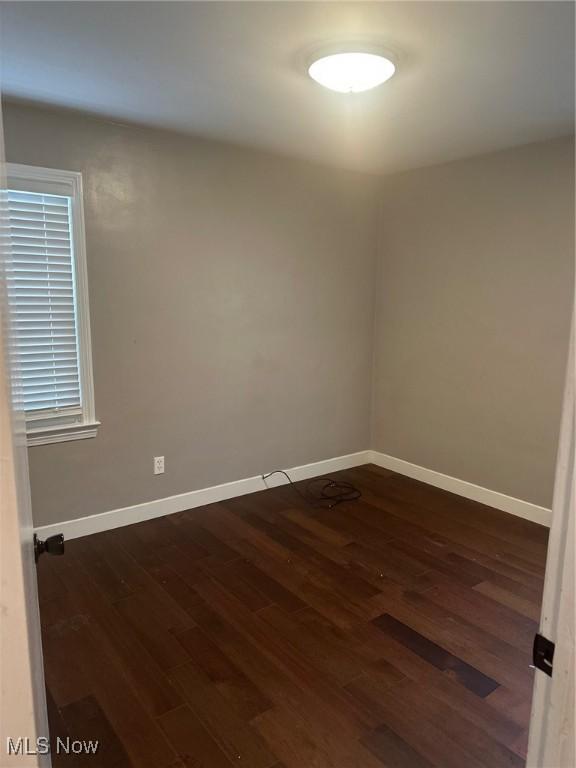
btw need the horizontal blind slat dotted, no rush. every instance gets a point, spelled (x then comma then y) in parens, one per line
(33, 404)
(48, 373)
(65, 389)
(34, 325)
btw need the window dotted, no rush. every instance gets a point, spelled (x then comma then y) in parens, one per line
(48, 304)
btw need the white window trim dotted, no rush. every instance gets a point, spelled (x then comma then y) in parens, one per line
(69, 183)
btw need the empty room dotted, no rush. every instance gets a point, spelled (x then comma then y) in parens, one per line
(287, 384)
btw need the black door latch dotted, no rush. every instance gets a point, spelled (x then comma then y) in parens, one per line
(54, 545)
(543, 654)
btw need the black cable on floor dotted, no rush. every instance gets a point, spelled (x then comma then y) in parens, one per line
(322, 489)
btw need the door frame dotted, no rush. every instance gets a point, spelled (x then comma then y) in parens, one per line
(23, 710)
(551, 733)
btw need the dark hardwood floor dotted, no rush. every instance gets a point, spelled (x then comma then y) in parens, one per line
(393, 631)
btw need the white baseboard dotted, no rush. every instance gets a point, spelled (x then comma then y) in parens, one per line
(83, 526)
(514, 506)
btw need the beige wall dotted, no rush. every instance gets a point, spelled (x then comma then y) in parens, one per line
(231, 301)
(232, 306)
(474, 300)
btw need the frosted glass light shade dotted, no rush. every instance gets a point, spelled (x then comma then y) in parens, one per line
(351, 72)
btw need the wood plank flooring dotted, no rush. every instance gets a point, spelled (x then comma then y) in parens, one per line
(393, 631)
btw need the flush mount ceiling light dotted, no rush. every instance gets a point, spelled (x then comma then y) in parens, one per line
(352, 71)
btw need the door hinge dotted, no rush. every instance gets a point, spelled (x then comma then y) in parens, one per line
(543, 654)
(54, 545)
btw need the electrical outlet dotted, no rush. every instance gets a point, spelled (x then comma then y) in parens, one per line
(158, 465)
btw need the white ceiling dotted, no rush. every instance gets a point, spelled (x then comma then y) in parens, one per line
(471, 77)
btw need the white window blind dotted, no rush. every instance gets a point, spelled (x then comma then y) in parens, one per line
(42, 301)
(48, 303)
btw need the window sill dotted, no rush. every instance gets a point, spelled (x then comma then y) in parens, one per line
(61, 434)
